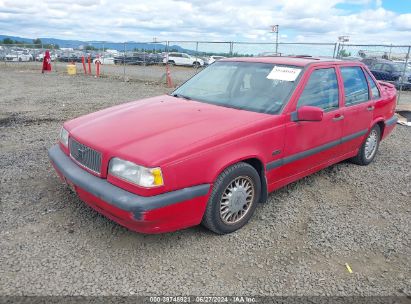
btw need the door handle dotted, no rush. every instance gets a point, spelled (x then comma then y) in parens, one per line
(370, 108)
(338, 117)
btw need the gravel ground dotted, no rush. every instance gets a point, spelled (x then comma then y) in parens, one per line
(153, 73)
(297, 244)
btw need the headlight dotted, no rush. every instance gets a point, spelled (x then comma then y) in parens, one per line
(64, 135)
(139, 175)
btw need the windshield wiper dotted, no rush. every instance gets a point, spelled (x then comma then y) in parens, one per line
(180, 96)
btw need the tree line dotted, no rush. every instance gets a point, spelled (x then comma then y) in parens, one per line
(36, 43)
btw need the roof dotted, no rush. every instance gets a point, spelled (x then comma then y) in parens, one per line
(286, 60)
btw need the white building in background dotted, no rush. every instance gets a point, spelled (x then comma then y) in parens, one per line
(112, 52)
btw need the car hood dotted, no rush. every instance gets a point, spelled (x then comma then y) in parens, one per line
(156, 130)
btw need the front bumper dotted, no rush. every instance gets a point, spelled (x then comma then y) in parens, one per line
(153, 214)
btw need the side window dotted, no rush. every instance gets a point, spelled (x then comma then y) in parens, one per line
(355, 85)
(321, 90)
(374, 89)
(377, 67)
(387, 68)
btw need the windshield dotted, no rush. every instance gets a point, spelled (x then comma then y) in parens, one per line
(257, 87)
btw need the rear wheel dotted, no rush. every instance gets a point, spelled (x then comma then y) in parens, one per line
(196, 64)
(233, 200)
(171, 62)
(369, 147)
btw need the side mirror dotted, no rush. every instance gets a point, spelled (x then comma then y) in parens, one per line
(308, 113)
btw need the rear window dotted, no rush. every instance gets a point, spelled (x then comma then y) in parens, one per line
(387, 68)
(374, 89)
(355, 85)
(377, 66)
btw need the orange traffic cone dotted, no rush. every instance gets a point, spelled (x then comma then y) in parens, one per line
(168, 77)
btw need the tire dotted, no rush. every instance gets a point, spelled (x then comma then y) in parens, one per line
(171, 62)
(196, 64)
(243, 183)
(365, 156)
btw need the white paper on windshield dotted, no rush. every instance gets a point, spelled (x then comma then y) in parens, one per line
(283, 73)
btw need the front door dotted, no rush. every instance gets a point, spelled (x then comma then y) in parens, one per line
(309, 144)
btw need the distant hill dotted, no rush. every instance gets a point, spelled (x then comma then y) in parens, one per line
(99, 44)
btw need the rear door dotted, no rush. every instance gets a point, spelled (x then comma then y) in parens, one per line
(186, 60)
(176, 57)
(358, 107)
(309, 144)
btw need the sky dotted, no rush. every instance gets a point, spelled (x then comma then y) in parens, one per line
(365, 21)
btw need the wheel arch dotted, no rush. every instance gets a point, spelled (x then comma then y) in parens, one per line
(381, 123)
(260, 168)
(258, 165)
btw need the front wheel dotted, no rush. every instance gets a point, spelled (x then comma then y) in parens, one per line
(369, 147)
(233, 200)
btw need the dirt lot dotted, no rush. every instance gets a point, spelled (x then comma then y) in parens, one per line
(297, 244)
(153, 73)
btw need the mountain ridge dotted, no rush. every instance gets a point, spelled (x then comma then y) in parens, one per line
(130, 45)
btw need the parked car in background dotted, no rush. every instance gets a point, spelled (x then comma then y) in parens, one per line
(104, 60)
(369, 62)
(19, 56)
(213, 59)
(156, 58)
(138, 58)
(40, 57)
(69, 58)
(395, 72)
(183, 59)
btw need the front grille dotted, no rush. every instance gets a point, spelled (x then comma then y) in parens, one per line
(84, 155)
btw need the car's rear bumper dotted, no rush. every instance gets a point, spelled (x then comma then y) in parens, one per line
(389, 126)
(153, 214)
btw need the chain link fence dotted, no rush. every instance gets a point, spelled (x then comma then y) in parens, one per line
(150, 61)
(390, 63)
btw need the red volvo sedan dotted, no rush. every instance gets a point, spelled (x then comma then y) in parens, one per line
(214, 148)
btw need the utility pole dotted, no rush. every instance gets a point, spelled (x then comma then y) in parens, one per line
(275, 29)
(154, 42)
(342, 39)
